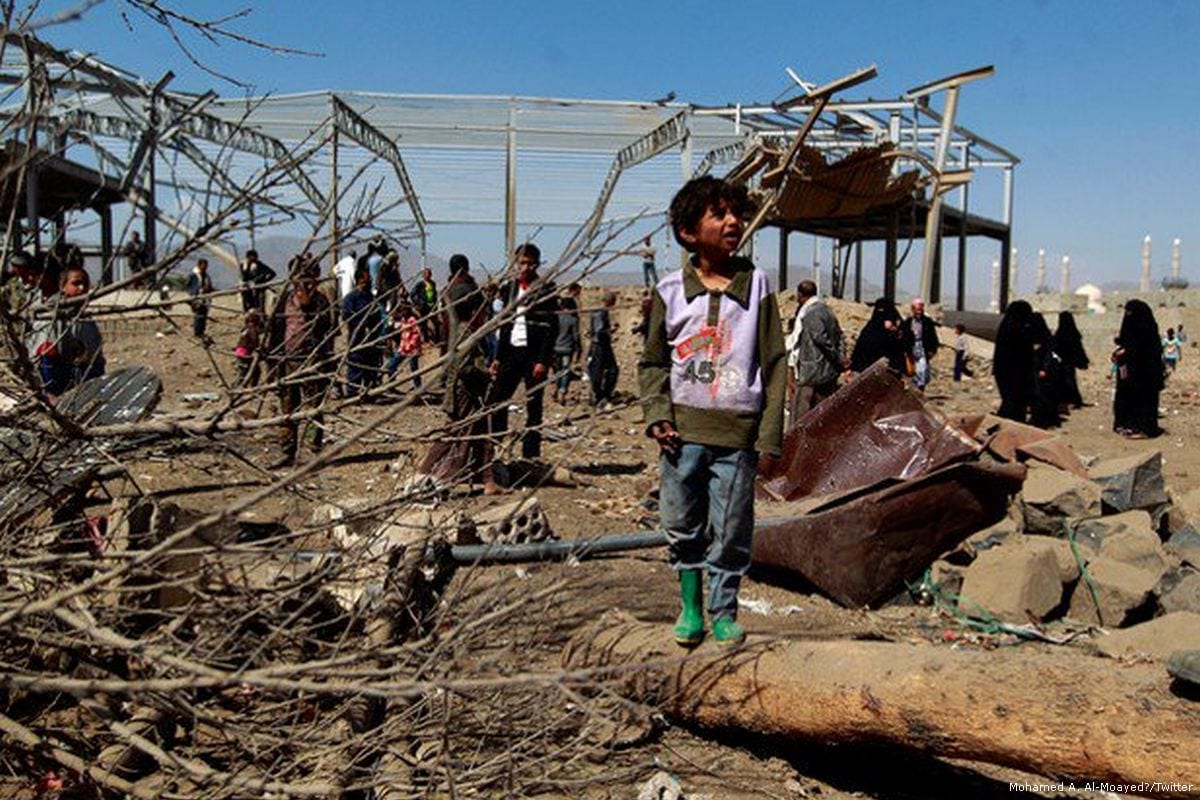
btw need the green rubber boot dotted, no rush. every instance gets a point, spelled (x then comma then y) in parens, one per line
(727, 633)
(689, 628)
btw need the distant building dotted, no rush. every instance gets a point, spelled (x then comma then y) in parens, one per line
(1094, 296)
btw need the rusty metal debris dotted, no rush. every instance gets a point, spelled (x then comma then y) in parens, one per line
(904, 486)
(861, 548)
(1015, 441)
(871, 430)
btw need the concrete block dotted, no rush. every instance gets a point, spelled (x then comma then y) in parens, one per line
(1013, 584)
(1123, 590)
(1157, 638)
(511, 523)
(1052, 497)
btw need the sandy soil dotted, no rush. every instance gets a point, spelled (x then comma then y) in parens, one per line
(615, 467)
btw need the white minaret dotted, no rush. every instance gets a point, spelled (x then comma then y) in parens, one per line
(1175, 259)
(1144, 283)
(994, 306)
(1013, 273)
(1041, 272)
(1066, 276)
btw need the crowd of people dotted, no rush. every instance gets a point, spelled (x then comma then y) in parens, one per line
(389, 326)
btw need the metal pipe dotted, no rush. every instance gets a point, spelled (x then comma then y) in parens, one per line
(334, 234)
(933, 221)
(546, 551)
(510, 189)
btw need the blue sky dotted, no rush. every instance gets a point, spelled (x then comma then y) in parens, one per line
(1101, 100)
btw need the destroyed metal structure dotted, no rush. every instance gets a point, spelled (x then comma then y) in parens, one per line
(345, 165)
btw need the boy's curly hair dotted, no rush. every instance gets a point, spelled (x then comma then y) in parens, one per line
(700, 194)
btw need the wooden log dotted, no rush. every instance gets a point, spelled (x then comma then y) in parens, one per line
(1060, 714)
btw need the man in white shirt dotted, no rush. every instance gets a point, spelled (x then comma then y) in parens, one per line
(526, 348)
(343, 271)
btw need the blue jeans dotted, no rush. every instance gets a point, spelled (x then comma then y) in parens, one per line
(397, 361)
(707, 511)
(921, 372)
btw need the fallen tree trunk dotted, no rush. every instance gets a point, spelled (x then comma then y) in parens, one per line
(1063, 715)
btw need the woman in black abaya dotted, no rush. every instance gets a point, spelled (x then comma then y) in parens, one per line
(1139, 373)
(1068, 344)
(1047, 376)
(1013, 361)
(880, 338)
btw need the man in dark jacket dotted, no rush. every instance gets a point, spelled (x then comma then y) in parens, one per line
(300, 349)
(199, 288)
(364, 328)
(817, 352)
(920, 342)
(255, 276)
(526, 347)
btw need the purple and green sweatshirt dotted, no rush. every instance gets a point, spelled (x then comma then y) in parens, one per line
(714, 364)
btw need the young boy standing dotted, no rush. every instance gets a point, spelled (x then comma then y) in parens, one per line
(712, 377)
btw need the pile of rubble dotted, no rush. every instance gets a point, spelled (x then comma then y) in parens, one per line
(1102, 546)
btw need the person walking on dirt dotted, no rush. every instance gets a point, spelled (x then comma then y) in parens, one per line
(199, 288)
(816, 352)
(300, 347)
(602, 367)
(920, 343)
(712, 380)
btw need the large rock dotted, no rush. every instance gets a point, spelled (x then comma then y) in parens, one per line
(1051, 498)
(1186, 545)
(1064, 556)
(1092, 532)
(1123, 592)
(1012, 584)
(1138, 547)
(1133, 481)
(1184, 513)
(1157, 638)
(1179, 590)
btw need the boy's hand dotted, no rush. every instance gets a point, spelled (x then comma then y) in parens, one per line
(539, 371)
(667, 437)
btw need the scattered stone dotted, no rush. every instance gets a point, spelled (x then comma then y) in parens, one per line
(521, 520)
(662, 786)
(1012, 584)
(1184, 666)
(1121, 589)
(1133, 481)
(1091, 533)
(1179, 590)
(1052, 497)
(1158, 638)
(947, 577)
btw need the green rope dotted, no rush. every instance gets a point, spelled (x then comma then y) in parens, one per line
(1083, 570)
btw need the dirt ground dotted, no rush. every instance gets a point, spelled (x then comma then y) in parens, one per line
(614, 467)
